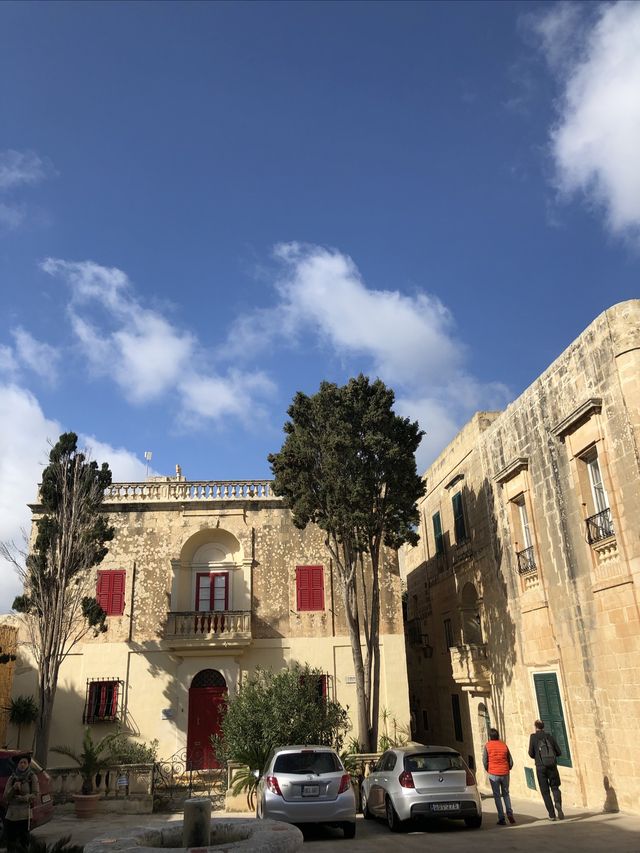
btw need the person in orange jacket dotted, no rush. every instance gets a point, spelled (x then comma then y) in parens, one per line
(497, 761)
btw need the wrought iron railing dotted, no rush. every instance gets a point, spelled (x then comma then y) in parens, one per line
(526, 561)
(600, 526)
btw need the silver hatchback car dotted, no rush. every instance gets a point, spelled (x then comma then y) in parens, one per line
(421, 781)
(307, 784)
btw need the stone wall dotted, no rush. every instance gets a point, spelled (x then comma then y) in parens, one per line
(574, 613)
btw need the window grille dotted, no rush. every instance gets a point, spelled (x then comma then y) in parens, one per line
(103, 701)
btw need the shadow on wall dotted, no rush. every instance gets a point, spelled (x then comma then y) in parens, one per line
(468, 589)
(499, 580)
(611, 798)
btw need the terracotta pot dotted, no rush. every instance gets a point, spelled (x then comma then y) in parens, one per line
(86, 804)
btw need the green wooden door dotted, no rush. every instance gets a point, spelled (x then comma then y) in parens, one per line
(551, 713)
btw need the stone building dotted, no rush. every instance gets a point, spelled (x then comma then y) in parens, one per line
(204, 582)
(523, 593)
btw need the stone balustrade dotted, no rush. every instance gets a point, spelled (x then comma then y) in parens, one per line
(224, 627)
(182, 490)
(119, 782)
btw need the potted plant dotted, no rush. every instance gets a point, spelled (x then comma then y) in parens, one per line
(92, 759)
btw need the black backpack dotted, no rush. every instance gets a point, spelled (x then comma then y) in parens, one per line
(547, 753)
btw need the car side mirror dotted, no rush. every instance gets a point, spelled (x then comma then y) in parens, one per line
(255, 774)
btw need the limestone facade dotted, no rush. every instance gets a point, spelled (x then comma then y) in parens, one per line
(210, 592)
(523, 593)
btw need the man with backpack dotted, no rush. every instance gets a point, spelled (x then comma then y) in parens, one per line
(544, 749)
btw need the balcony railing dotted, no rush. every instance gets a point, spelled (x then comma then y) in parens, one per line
(208, 628)
(526, 561)
(153, 491)
(599, 526)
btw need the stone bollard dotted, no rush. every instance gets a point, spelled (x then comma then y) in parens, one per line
(196, 829)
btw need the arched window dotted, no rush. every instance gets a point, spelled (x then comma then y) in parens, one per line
(209, 678)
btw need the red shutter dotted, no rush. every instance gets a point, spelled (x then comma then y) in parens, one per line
(110, 591)
(102, 708)
(117, 593)
(102, 591)
(317, 588)
(310, 587)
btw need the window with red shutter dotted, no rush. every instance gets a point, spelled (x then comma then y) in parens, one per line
(101, 704)
(110, 591)
(310, 587)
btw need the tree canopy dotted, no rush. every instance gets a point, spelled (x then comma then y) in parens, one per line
(71, 535)
(348, 465)
(279, 708)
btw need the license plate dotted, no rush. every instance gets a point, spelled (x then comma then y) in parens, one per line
(46, 798)
(310, 790)
(445, 807)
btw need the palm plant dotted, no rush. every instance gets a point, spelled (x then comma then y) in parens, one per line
(22, 712)
(93, 758)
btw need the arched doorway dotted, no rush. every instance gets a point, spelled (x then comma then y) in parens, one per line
(207, 699)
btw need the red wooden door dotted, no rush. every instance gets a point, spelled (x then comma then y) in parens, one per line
(206, 708)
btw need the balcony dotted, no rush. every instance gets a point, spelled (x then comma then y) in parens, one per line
(600, 526)
(470, 667)
(526, 561)
(215, 629)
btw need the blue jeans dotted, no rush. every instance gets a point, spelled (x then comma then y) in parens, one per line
(500, 788)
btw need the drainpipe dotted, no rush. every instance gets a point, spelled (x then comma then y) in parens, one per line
(333, 607)
(133, 589)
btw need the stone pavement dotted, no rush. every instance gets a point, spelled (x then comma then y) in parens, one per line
(581, 832)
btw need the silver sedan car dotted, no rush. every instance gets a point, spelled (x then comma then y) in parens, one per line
(421, 781)
(307, 784)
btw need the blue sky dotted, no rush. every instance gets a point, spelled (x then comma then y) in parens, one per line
(207, 207)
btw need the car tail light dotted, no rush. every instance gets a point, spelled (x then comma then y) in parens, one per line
(406, 779)
(273, 786)
(471, 779)
(344, 783)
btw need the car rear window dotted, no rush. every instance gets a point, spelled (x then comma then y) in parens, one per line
(307, 761)
(437, 762)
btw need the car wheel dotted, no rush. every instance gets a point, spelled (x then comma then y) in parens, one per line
(473, 822)
(349, 830)
(366, 811)
(393, 821)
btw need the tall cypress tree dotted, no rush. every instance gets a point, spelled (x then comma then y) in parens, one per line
(348, 465)
(70, 539)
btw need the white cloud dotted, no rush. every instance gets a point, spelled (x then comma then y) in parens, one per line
(24, 433)
(25, 438)
(17, 170)
(20, 167)
(8, 363)
(233, 396)
(408, 341)
(125, 466)
(145, 354)
(596, 141)
(12, 215)
(40, 357)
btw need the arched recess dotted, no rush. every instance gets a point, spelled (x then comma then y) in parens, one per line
(470, 612)
(211, 574)
(207, 701)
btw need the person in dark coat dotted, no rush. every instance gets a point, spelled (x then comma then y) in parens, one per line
(20, 794)
(544, 749)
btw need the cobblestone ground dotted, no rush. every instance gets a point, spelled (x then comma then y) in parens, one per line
(581, 832)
